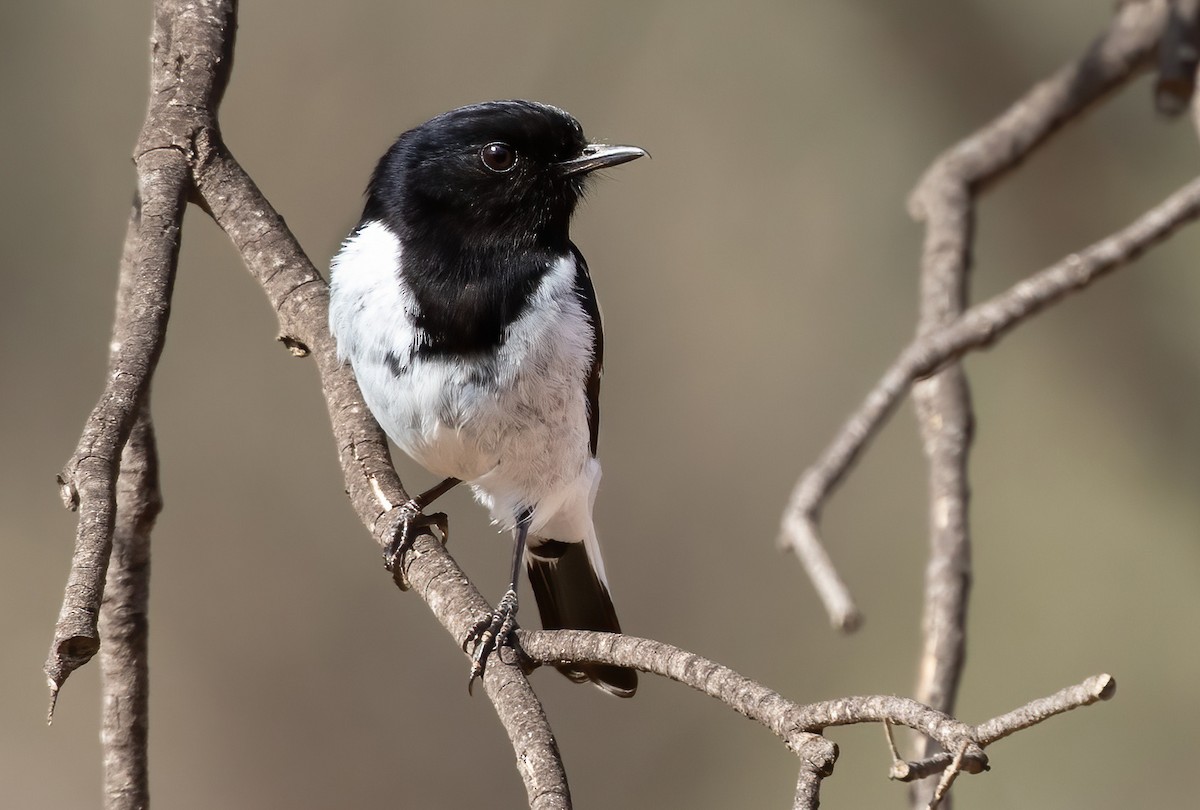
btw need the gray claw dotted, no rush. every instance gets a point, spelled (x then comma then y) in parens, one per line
(490, 634)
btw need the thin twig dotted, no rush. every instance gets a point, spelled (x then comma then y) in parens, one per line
(948, 776)
(1094, 689)
(89, 479)
(744, 696)
(891, 742)
(906, 771)
(801, 726)
(124, 664)
(985, 323)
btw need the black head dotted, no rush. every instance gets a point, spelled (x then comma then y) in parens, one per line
(499, 171)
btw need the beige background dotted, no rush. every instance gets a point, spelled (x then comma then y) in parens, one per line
(757, 275)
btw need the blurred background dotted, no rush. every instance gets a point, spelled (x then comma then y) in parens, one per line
(757, 276)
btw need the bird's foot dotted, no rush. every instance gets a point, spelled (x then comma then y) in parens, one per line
(408, 528)
(490, 634)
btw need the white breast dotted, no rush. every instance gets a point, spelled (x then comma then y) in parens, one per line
(513, 423)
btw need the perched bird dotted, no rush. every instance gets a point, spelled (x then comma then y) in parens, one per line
(473, 329)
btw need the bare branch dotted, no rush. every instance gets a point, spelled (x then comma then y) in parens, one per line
(985, 323)
(181, 145)
(191, 48)
(1095, 688)
(744, 696)
(903, 771)
(300, 297)
(945, 199)
(124, 662)
(89, 479)
(802, 727)
(948, 776)
(801, 534)
(808, 784)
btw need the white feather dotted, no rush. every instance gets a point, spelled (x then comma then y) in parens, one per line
(517, 434)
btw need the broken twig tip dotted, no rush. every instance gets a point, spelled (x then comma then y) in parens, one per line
(847, 622)
(67, 491)
(296, 347)
(53, 700)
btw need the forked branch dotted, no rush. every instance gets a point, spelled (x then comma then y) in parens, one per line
(945, 200)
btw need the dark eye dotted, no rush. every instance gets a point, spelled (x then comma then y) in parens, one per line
(498, 157)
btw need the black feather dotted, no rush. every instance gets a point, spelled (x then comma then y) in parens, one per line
(570, 596)
(591, 308)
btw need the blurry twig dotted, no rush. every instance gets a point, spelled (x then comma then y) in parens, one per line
(1178, 58)
(945, 200)
(984, 323)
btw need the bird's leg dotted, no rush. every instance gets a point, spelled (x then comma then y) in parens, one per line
(494, 631)
(411, 518)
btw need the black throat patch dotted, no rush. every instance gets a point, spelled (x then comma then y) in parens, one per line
(467, 296)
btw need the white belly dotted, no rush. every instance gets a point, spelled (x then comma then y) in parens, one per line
(513, 423)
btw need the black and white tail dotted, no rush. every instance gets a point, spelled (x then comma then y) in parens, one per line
(571, 595)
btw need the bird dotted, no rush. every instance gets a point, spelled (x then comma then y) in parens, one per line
(471, 323)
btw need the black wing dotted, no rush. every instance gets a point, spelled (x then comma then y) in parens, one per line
(591, 308)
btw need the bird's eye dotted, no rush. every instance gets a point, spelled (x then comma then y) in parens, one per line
(498, 157)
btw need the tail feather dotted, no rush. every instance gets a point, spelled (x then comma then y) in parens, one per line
(572, 596)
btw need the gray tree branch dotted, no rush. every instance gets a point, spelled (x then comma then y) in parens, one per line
(89, 479)
(945, 200)
(801, 726)
(124, 662)
(985, 323)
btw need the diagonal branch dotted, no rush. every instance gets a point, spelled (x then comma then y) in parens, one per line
(979, 327)
(191, 54)
(744, 696)
(1099, 687)
(300, 297)
(801, 727)
(90, 477)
